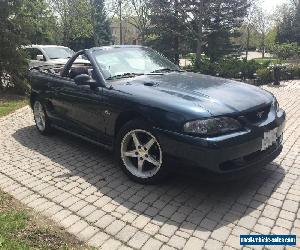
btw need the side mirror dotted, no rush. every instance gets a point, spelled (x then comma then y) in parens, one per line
(85, 79)
(40, 57)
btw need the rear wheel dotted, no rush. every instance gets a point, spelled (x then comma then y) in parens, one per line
(139, 153)
(40, 117)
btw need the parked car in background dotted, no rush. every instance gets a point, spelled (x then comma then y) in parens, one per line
(39, 55)
(134, 101)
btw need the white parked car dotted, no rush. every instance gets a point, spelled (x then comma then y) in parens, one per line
(39, 55)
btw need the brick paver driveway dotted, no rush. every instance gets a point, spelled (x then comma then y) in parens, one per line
(77, 185)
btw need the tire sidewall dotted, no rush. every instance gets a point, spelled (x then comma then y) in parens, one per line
(47, 129)
(133, 125)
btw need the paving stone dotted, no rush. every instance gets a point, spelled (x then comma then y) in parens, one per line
(266, 221)
(202, 233)
(233, 241)
(70, 220)
(291, 206)
(115, 227)
(85, 211)
(237, 231)
(247, 222)
(166, 247)
(161, 237)
(111, 244)
(138, 240)
(105, 221)
(287, 215)
(98, 239)
(208, 224)
(213, 244)
(78, 205)
(151, 229)
(221, 234)
(194, 243)
(87, 233)
(152, 244)
(260, 229)
(126, 233)
(177, 242)
(141, 221)
(77, 227)
(95, 216)
(168, 230)
(61, 215)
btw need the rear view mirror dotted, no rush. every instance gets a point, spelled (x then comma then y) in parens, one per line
(40, 57)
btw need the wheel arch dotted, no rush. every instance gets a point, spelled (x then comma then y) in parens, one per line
(33, 97)
(125, 117)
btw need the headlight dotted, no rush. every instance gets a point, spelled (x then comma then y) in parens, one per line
(212, 126)
(275, 104)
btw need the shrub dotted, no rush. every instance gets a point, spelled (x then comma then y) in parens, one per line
(286, 50)
(264, 75)
(230, 67)
(295, 71)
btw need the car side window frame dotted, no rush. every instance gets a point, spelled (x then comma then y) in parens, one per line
(98, 75)
(33, 52)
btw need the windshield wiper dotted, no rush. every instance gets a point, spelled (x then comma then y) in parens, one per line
(125, 75)
(166, 70)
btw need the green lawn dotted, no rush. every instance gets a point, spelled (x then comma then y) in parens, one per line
(21, 229)
(10, 103)
(262, 60)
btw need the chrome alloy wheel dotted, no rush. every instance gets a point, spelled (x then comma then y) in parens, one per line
(39, 116)
(141, 153)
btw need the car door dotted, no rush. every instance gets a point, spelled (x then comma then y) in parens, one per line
(83, 109)
(80, 108)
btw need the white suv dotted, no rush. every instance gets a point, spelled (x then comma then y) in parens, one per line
(39, 55)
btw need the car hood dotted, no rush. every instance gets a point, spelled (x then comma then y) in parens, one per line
(194, 91)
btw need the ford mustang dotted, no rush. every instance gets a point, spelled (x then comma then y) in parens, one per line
(132, 100)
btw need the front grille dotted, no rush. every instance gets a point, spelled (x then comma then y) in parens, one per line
(258, 115)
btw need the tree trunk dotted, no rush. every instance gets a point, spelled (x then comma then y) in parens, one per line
(176, 48)
(176, 37)
(248, 41)
(199, 45)
(263, 45)
(199, 35)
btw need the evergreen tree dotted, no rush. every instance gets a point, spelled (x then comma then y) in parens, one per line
(168, 31)
(13, 66)
(199, 24)
(101, 25)
(225, 17)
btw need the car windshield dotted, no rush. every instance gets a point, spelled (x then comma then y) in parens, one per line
(127, 62)
(58, 52)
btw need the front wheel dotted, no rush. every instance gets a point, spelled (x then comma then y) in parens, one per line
(40, 117)
(139, 153)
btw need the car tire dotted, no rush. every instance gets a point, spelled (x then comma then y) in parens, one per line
(41, 119)
(139, 153)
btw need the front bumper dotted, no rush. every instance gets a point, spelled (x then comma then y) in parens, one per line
(227, 153)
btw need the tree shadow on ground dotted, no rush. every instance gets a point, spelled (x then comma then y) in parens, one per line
(183, 201)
